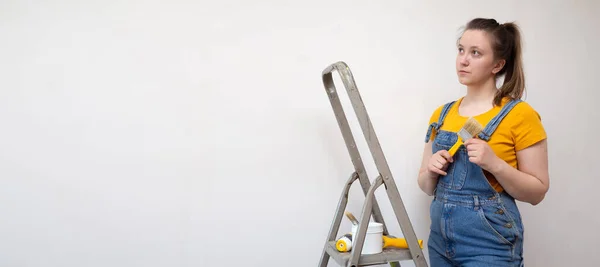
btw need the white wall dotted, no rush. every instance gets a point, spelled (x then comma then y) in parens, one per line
(191, 133)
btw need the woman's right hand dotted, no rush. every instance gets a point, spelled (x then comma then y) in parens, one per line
(438, 163)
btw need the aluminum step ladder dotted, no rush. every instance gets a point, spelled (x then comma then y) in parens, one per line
(392, 256)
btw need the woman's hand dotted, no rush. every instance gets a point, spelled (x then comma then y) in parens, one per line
(528, 183)
(438, 163)
(482, 154)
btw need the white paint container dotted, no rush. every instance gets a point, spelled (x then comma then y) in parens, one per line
(373, 239)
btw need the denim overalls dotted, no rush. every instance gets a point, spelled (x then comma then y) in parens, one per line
(472, 224)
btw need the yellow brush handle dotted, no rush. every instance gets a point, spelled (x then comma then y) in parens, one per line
(397, 242)
(455, 147)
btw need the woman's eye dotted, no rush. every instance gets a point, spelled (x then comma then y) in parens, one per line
(475, 52)
(460, 50)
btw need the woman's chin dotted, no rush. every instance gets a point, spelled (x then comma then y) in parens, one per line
(464, 81)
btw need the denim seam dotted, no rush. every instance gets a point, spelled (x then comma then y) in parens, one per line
(467, 203)
(451, 234)
(512, 220)
(443, 229)
(516, 230)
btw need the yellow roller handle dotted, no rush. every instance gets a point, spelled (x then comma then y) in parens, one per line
(395, 242)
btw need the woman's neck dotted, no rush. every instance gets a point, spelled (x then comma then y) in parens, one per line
(481, 94)
(479, 99)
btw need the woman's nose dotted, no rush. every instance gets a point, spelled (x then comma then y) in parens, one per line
(464, 60)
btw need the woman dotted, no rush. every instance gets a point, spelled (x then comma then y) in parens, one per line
(474, 218)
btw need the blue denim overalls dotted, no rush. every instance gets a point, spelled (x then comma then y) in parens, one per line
(472, 224)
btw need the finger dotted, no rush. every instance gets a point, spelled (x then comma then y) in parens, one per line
(437, 168)
(472, 141)
(472, 147)
(446, 155)
(438, 171)
(442, 172)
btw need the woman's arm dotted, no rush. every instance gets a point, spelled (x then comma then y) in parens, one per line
(531, 181)
(426, 182)
(528, 183)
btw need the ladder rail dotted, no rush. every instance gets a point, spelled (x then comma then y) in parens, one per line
(361, 232)
(373, 143)
(344, 126)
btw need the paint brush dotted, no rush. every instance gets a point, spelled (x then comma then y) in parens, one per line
(351, 217)
(468, 131)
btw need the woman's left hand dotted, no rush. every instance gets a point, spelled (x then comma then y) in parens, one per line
(481, 154)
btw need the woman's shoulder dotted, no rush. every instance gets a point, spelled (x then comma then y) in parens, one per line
(438, 110)
(525, 124)
(524, 111)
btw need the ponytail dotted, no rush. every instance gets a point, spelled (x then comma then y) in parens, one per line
(514, 78)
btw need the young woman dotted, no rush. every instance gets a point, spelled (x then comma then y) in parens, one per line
(474, 218)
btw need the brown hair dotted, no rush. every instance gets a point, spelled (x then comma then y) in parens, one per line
(506, 43)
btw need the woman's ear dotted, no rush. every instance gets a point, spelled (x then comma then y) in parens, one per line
(499, 65)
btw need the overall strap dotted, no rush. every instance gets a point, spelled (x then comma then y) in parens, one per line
(493, 124)
(436, 125)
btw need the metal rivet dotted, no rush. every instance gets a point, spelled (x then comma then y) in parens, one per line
(508, 225)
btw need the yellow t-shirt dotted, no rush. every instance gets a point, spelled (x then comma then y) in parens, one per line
(521, 128)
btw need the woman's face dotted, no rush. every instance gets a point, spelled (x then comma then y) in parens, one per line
(475, 62)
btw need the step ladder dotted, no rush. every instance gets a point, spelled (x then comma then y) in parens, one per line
(392, 256)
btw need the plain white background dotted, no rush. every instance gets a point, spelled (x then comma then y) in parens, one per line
(198, 133)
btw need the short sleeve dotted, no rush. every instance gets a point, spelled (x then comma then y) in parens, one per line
(434, 118)
(527, 129)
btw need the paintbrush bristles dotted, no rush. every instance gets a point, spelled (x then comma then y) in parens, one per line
(471, 128)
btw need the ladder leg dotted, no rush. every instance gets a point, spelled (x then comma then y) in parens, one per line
(370, 208)
(359, 239)
(337, 220)
(405, 224)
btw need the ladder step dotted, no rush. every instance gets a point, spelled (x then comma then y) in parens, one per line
(388, 255)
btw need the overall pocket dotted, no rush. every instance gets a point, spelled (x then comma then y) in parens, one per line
(457, 170)
(499, 223)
